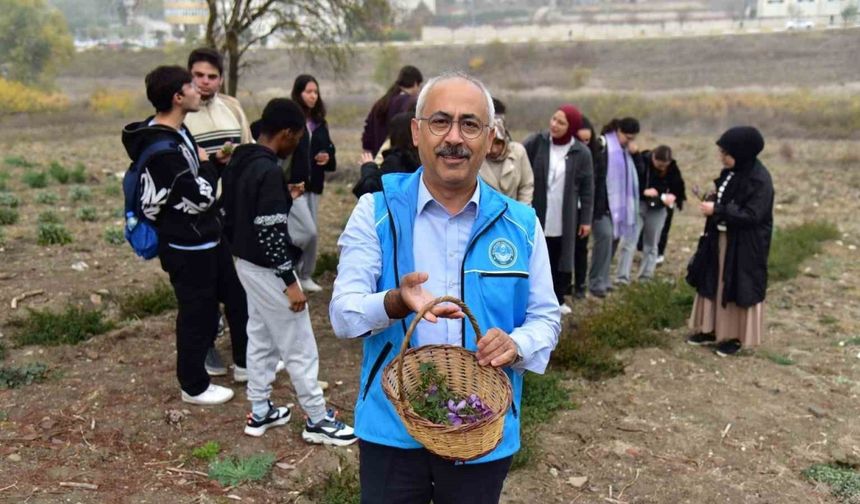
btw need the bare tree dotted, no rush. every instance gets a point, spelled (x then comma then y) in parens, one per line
(234, 26)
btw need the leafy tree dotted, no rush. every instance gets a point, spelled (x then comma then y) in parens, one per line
(34, 39)
(317, 26)
(849, 14)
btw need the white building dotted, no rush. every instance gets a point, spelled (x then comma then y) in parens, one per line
(821, 11)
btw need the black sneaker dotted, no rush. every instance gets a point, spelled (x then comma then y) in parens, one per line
(329, 431)
(702, 339)
(214, 365)
(726, 348)
(274, 418)
(598, 294)
(579, 293)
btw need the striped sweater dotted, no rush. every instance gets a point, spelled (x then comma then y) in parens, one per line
(219, 120)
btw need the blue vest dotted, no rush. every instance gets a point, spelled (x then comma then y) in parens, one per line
(494, 284)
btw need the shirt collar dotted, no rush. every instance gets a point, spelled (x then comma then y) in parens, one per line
(424, 198)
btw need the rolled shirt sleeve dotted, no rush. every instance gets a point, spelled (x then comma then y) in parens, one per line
(538, 335)
(356, 309)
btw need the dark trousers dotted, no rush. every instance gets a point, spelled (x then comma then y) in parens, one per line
(580, 263)
(201, 279)
(664, 235)
(560, 279)
(397, 476)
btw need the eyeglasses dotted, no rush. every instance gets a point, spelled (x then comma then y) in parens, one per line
(441, 124)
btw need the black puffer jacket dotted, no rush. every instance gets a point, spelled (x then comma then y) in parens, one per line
(746, 210)
(672, 182)
(393, 161)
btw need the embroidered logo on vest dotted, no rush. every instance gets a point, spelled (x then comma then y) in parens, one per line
(502, 253)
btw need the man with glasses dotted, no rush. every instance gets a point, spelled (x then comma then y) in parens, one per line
(442, 231)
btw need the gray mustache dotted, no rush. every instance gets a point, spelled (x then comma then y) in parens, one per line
(453, 150)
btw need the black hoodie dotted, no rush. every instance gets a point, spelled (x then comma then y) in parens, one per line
(256, 203)
(178, 191)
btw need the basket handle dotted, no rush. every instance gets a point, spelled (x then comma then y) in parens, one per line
(420, 316)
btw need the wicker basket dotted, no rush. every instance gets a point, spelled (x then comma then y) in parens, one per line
(463, 377)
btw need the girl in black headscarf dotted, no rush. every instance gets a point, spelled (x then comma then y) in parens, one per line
(729, 270)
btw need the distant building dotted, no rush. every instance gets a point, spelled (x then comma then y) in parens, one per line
(178, 12)
(825, 11)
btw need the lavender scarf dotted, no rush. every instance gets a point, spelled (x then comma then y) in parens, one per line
(622, 188)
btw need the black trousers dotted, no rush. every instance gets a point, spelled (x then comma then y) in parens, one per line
(201, 279)
(580, 262)
(397, 476)
(560, 279)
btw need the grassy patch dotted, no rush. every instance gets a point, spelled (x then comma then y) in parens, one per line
(207, 452)
(80, 194)
(794, 244)
(43, 327)
(112, 190)
(2, 351)
(9, 200)
(543, 396)
(78, 174)
(851, 342)
(18, 161)
(844, 482)
(114, 236)
(2, 237)
(326, 262)
(49, 218)
(18, 376)
(8, 216)
(633, 317)
(87, 214)
(35, 179)
(828, 320)
(4, 179)
(782, 360)
(47, 198)
(52, 234)
(339, 487)
(232, 471)
(59, 172)
(147, 302)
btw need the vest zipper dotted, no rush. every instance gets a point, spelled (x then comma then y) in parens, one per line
(375, 369)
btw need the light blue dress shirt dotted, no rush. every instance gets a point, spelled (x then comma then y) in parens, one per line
(357, 309)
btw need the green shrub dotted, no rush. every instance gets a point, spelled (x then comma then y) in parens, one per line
(148, 302)
(80, 193)
(59, 172)
(49, 218)
(87, 214)
(9, 200)
(4, 179)
(35, 179)
(543, 396)
(207, 452)
(844, 482)
(782, 360)
(53, 234)
(47, 198)
(113, 190)
(340, 487)
(326, 262)
(8, 216)
(633, 317)
(18, 376)
(232, 471)
(18, 161)
(43, 327)
(78, 175)
(114, 235)
(794, 244)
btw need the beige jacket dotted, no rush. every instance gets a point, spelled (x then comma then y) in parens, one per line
(512, 176)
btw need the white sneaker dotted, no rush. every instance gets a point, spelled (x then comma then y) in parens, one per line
(565, 310)
(240, 374)
(215, 394)
(323, 384)
(660, 259)
(308, 285)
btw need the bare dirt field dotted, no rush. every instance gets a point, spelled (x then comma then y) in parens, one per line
(679, 426)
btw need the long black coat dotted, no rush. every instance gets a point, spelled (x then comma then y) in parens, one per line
(578, 187)
(747, 212)
(304, 168)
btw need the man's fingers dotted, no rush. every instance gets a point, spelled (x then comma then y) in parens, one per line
(508, 356)
(414, 278)
(448, 311)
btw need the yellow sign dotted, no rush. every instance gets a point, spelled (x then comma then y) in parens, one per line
(186, 12)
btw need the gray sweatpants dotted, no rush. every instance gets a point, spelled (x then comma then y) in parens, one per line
(626, 251)
(275, 331)
(651, 223)
(303, 231)
(601, 254)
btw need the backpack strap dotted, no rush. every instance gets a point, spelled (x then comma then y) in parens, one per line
(131, 181)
